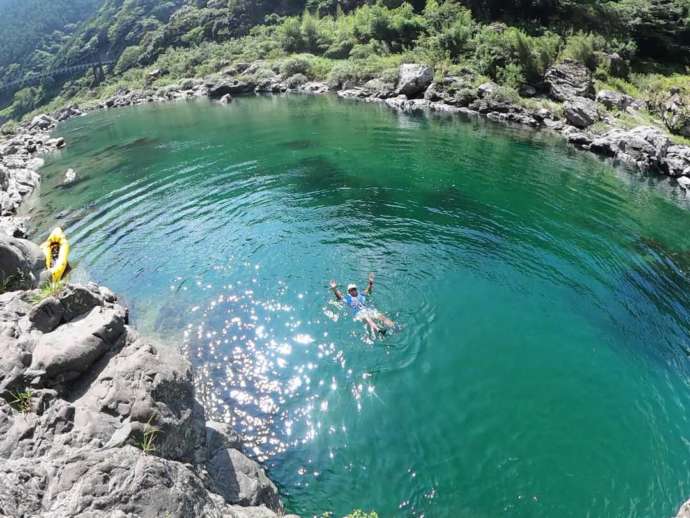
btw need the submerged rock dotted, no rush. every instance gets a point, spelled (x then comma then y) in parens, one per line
(70, 177)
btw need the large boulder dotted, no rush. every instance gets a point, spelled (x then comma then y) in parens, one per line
(241, 480)
(148, 385)
(71, 302)
(379, 88)
(614, 100)
(69, 351)
(216, 90)
(42, 122)
(581, 112)
(569, 79)
(684, 511)
(414, 79)
(452, 90)
(21, 262)
(644, 147)
(677, 160)
(675, 112)
(105, 483)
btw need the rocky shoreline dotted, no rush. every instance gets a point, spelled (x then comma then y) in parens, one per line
(96, 420)
(577, 112)
(97, 392)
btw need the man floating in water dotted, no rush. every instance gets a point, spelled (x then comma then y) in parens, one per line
(377, 321)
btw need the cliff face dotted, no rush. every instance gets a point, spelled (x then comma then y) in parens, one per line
(98, 421)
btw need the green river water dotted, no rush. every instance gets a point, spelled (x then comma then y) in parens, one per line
(540, 366)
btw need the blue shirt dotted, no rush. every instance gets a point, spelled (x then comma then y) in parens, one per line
(356, 303)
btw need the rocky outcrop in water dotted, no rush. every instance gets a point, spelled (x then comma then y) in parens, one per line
(96, 420)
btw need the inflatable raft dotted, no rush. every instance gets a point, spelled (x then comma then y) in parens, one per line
(56, 251)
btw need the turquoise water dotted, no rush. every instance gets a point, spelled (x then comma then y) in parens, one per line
(540, 367)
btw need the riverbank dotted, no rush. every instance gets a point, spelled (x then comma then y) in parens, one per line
(590, 120)
(99, 421)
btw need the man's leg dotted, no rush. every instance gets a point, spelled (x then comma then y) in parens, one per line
(372, 325)
(385, 320)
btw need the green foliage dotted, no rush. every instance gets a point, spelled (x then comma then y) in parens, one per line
(449, 28)
(21, 400)
(147, 443)
(49, 289)
(9, 128)
(512, 42)
(509, 54)
(583, 47)
(128, 59)
(296, 65)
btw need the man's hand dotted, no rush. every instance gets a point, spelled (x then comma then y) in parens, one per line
(370, 287)
(336, 292)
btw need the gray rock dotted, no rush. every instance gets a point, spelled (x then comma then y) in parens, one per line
(43, 122)
(216, 90)
(70, 177)
(614, 100)
(70, 350)
(683, 182)
(414, 79)
(241, 480)
(527, 91)
(677, 160)
(13, 226)
(221, 436)
(487, 89)
(226, 99)
(103, 483)
(379, 88)
(577, 137)
(455, 91)
(78, 300)
(684, 511)
(643, 147)
(47, 315)
(569, 79)
(21, 263)
(581, 112)
(236, 511)
(675, 112)
(149, 384)
(354, 93)
(314, 87)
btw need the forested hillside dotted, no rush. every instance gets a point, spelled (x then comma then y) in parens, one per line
(511, 42)
(32, 32)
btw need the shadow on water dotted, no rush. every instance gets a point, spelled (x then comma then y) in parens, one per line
(298, 145)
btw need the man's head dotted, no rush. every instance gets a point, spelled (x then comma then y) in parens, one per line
(352, 289)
